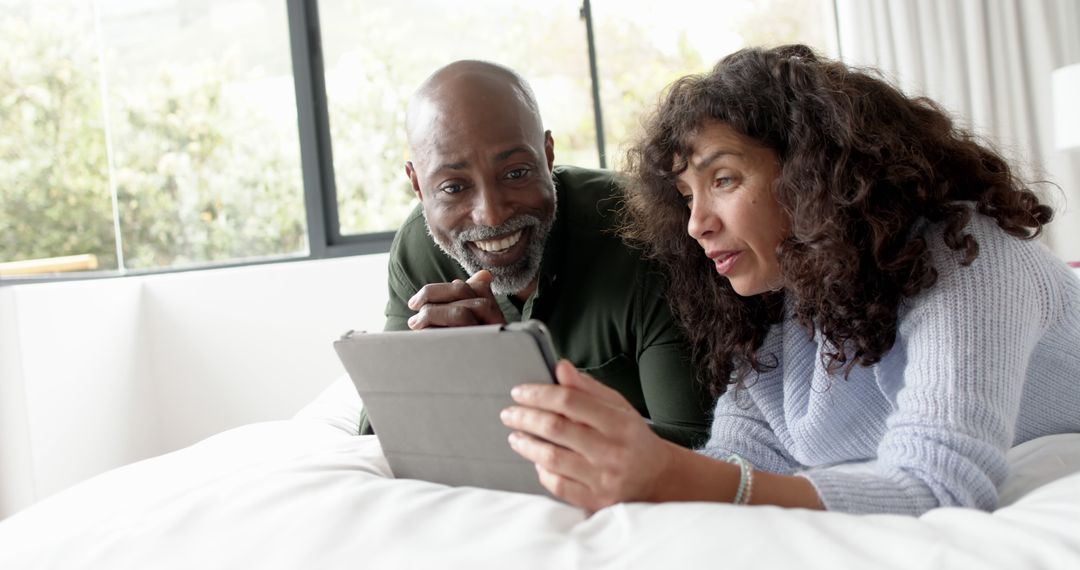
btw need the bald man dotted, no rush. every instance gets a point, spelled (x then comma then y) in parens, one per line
(501, 234)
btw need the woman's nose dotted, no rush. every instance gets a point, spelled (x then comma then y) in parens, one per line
(703, 220)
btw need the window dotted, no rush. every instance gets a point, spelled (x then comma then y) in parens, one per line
(368, 84)
(640, 49)
(148, 135)
(53, 173)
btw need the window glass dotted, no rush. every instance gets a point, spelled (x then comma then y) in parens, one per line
(54, 191)
(167, 126)
(146, 134)
(641, 49)
(376, 53)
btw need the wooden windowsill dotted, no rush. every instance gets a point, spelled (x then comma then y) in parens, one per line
(83, 262)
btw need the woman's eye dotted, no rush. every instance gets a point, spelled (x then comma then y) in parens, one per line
(687, 199)
(724, 181)
(517, 173)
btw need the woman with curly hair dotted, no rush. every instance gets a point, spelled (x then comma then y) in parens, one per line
(860, 270)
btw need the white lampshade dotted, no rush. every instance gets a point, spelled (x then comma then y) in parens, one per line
(1066, 82)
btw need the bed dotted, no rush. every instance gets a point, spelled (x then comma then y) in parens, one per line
(306, 493)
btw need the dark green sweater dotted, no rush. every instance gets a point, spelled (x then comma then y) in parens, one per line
(603, 304)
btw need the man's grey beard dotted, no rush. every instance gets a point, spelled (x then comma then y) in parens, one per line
(507, 279)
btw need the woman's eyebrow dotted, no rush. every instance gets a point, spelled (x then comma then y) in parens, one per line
(703, 163)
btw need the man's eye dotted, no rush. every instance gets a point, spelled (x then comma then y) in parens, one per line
(451, 188)
(518, 173)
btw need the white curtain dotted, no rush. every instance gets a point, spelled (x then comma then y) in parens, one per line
(989, 63)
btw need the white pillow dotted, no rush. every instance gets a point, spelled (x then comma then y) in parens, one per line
(1037, 462)
(338, 405)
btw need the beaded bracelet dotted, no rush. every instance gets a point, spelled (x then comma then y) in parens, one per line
(746, 480)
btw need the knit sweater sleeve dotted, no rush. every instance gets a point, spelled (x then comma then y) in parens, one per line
(968, 342)
(740, 428)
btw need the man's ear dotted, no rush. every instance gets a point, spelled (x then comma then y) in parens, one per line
(549, 150)
(411, 173)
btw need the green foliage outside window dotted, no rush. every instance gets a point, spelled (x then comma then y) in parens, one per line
(192, 185)
(204, 150)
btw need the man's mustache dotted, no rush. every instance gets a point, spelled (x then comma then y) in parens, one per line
(480, 233)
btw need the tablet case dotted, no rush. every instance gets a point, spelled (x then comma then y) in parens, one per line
(434, 397)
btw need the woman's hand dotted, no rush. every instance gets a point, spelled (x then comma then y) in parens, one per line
(598, 450)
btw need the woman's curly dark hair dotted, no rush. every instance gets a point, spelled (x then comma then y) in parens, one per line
(860, 164)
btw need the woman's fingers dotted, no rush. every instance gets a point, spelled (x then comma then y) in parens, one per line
(591, 447)
(564, 473)
(569, 376)
(554, 458)
(569, 490)
(572, 403)
(555, 428)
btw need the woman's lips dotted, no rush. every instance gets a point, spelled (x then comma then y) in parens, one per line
(725, 260)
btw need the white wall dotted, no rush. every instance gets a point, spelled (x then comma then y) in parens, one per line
(96, 374)
(82, 379)
(240, 345)
(16, 474)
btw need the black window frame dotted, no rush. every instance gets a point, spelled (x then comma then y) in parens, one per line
(324, 236)
(316, 146)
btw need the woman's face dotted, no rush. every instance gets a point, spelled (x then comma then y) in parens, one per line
(733, 216)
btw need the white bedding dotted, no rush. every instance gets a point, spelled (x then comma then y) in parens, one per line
(305, 494)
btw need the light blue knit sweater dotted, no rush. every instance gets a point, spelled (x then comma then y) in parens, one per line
(987, 358)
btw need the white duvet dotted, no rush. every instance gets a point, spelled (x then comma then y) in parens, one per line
(305, 494)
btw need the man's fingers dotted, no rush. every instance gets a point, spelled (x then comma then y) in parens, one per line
(480, 282)
(458, 314)
(487, 312)
(455, 304)
(431, 316)
(478, 285)
(439, 293)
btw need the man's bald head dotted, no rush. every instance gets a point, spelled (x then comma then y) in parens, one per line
(481, 166)
(469, 90)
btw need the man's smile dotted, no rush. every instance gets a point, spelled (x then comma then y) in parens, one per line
(501, 251)
(500, 244)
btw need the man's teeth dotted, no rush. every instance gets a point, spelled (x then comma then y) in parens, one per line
(493, 245)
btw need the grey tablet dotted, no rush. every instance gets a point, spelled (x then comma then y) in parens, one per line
(434, 397)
